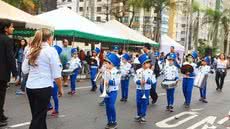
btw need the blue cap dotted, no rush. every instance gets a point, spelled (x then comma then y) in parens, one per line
(58, 49)
(126, 56)
(97, 50)
(207, 60)
(113, 58)
(194, 54)
(172, 56)
(115, 48)
(157, 54)
(73, 50)
(143, 59)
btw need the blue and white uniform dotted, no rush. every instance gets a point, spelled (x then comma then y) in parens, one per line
(113, 77)
(74, 65)
(147, 75)
(188, 81)
(95, 63)
(125, 69)
(170, 73)
(204, 70)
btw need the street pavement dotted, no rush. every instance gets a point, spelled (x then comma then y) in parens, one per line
(82, 111)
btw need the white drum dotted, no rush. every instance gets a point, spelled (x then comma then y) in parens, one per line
(200, 80)
(67, 72)
(168, 84)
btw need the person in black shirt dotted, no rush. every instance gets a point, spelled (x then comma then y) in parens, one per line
(7, 64)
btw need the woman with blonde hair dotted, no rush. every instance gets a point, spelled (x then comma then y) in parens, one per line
(43, 66)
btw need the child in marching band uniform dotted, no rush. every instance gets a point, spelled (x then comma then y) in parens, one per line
(74, 64)
(94, 65)
(55, 90)
(144, 78)
(170, 73)
(188, 79)
(112, 80)
(125, 69)
(204, 69)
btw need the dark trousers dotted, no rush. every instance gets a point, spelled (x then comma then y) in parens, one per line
(39, 99)
(3, 86)
(220, 79)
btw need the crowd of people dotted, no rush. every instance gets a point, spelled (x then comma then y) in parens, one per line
(41, 69)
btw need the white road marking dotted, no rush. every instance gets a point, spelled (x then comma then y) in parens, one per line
(20, 125)
(195, 110)
(162, 94)
(222, 121)
(85, 87)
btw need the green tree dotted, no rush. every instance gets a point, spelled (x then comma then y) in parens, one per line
(218, 22)
(30, 6)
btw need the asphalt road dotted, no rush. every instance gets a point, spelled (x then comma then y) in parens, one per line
(83, 112)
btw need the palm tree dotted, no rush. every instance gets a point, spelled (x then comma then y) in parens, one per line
(196, 23)
(219, 22)
(213, 18)
(225, 27)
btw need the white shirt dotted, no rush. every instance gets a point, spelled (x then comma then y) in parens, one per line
(74, 63)
(145, 75)
(47, 69)
(221, 65)
(112, 75)
(204, 70)
(125, 68)
(170, 72)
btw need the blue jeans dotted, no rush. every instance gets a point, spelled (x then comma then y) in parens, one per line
(170, 96)
(142, 103)
(203, 91)
(55, 98)
(93, 73)
(124, 89)
(187, 89)
(110, 106)
(73, 79)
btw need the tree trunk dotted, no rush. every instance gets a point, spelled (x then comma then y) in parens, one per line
(226, 42)
(215, 38)
(132, 18)
(197, 33)
(158, 28)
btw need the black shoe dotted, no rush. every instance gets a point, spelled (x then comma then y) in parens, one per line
(137, 118)
(4, 118)
(114, 125)
(171, 108)
(217, 89)
(125, 100)
(3, 123)
(122, 99)
(142, 120)
(187, 106)
(204, 101)
(167, 108)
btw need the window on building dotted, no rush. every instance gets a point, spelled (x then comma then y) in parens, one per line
(63, 0)
(183, 25)
(182, 39)
(137, 19)
(98, 9)
(69, 7)
(81, 9)
(125, 19)
(147, 19)
(69, 0)
(182, 32)
(81, 0)
(155, 18)
(98, 0)
(98, 19)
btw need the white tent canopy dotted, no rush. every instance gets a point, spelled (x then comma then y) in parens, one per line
(167, 42)
(126, 32)
(10, 12)
(69, 23)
